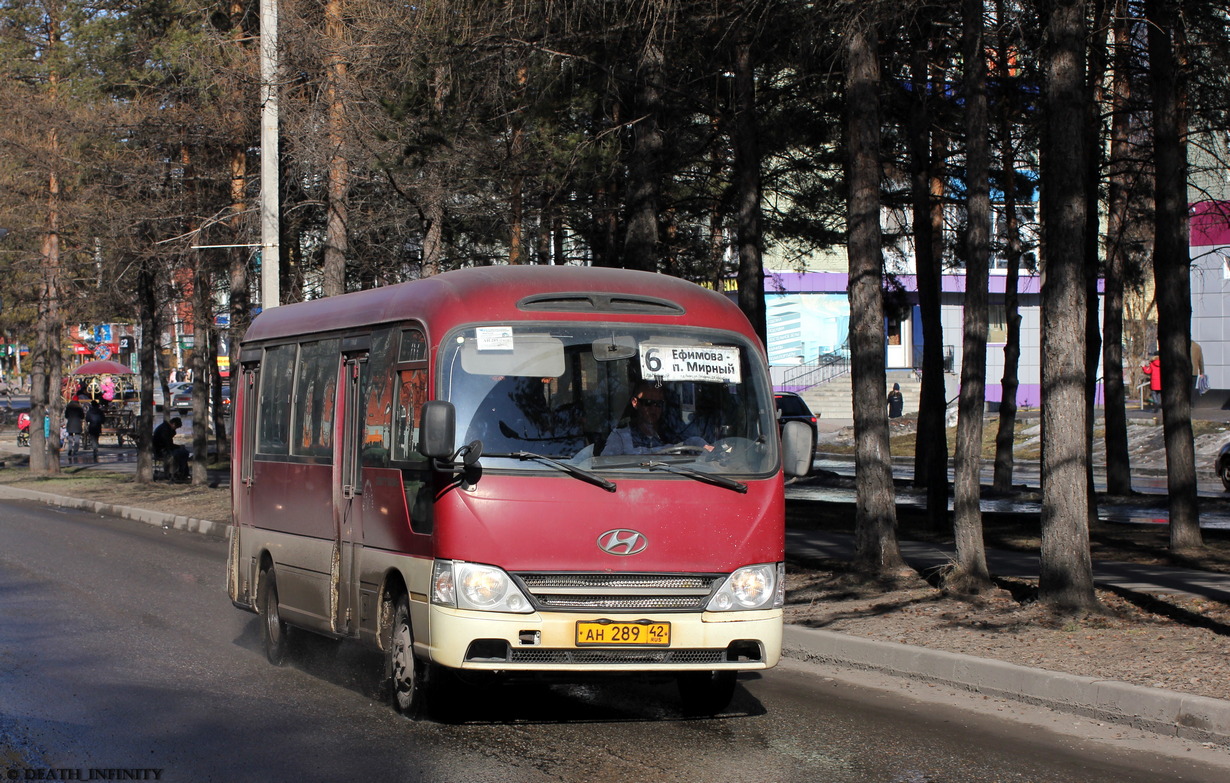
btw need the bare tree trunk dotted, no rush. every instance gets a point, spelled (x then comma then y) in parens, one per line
(558, 250)
(432, 211)
(1118, 463)
(41, 444)
(605, 199)
(875, 515)
(1172, 272)
(1005, 436)
(47, 403)
(747, 184)
(546, 225)
(645, 169)
(46, 398)
(971, 573)
(337, 244)
(931, 445)
(516, 216)
(516, 151)
(48, 362)
(1066, 579)
(237, 274)
(1094, 144)
(433, 239)
(202, 322)
(240, 318)
(147, 315)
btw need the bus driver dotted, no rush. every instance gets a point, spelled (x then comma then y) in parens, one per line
(646, 431)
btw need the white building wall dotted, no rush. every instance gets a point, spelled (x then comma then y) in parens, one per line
(1210, 278)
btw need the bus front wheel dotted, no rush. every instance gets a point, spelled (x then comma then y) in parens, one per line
(273, 629)
(404, 673)
(706, 693)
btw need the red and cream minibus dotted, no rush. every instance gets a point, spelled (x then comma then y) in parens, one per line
(441, 469)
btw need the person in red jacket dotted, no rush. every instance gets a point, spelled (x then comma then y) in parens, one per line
(1154, 370)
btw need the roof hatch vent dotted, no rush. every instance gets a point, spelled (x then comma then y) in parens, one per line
(585, 302)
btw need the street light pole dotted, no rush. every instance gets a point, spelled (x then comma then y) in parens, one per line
(269, 206)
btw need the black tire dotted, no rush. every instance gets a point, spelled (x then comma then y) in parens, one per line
(705, 694)
(405, 674)
(274, 632)
(1223, 470)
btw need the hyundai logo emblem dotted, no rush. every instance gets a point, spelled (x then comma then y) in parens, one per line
(622, 542)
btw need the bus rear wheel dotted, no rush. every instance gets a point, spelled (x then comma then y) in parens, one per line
(274, 632)
(704, 694)
(404, 673)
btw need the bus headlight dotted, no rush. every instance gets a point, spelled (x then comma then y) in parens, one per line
(751, 587)
(473, 586)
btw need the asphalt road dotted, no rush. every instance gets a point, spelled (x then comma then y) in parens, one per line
(120, 650)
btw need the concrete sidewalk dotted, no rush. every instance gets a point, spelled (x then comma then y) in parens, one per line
(1164, 712)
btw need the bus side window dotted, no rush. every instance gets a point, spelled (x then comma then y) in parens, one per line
(315, 392)
(277, 379)
(377, 396)
(412, 393)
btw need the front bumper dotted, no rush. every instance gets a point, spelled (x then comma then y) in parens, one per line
(547, 642)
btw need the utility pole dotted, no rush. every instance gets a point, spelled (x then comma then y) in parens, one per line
(270, 245)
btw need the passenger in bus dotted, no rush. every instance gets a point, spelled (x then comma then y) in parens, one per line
(646, 430)
(173, 456)
(714, 417)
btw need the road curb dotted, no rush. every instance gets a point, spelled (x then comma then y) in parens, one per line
(1164, 712)
(155, 518)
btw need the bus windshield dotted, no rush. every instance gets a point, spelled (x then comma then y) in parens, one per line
(626, 397)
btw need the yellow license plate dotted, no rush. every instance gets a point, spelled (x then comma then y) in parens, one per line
(635, 633)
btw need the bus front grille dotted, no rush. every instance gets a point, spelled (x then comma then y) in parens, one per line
(619, 592)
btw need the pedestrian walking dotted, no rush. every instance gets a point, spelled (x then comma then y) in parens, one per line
(23, 429)
(74, 425)
(1154, 370)
(896, 402)
(1200, 382)
(95, 416)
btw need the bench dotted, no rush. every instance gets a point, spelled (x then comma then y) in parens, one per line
(122, 424)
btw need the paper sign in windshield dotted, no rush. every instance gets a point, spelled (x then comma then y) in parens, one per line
(709, 363)
(494, 338)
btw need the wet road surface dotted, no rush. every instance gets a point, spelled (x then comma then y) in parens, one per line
(121, 650)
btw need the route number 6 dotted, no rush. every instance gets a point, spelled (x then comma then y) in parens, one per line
(653, 362)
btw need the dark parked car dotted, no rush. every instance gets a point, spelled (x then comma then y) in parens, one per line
(1223, 466)
(791, 407)
(181, 399)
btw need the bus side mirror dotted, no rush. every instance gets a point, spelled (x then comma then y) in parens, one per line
(798, 451)
(438, 431)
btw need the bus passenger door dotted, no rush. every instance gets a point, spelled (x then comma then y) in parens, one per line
(349, 511)
(241, 581)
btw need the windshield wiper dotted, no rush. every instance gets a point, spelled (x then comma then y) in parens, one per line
(708, 478)
(571, 470)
